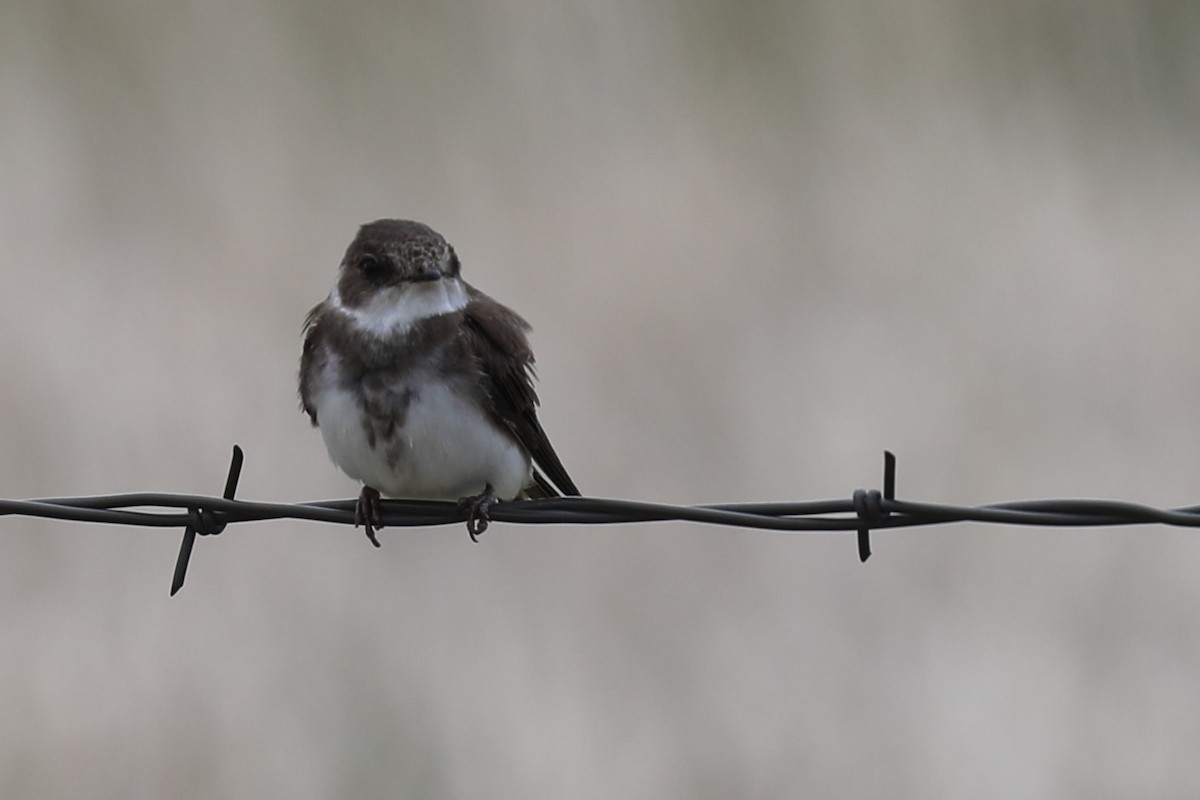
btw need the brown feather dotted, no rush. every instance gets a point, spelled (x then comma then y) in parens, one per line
(497, 336)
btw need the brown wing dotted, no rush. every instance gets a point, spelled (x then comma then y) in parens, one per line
(312, 360)
(497, 337)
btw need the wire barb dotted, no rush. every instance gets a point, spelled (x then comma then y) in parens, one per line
(870, 508)
(205, 522)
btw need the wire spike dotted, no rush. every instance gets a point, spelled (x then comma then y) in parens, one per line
(864, 541)
(867, 505)
(889, 475)
(189, 533)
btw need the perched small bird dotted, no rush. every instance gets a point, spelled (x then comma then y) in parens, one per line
(421, 384)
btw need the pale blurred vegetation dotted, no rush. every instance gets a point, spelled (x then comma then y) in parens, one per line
(759, 242)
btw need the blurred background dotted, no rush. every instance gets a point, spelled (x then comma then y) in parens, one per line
(759, 243)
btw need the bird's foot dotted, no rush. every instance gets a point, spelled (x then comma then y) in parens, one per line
(477, 507)
(368, 513)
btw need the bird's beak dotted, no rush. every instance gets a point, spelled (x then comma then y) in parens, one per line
(427, 276)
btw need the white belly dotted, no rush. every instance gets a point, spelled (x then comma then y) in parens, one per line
(446, 449)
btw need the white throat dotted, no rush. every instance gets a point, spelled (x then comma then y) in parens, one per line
(395, 309)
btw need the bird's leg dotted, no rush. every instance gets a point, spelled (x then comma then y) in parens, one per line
(477, 507)
(368, 513)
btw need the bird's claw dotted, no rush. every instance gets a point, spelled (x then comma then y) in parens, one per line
(477, 507)
(368, 513)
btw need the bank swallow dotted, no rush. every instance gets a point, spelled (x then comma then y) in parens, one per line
(422, 385)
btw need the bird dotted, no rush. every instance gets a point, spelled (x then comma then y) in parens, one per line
(421, 385)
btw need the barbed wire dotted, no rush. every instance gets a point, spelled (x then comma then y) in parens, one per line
(864, 511)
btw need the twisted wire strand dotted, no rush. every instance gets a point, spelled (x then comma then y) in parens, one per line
(807, 516)
(863, 512)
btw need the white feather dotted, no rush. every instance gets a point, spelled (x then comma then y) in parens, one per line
(448, 448)
(395, 309)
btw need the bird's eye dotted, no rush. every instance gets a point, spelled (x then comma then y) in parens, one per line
(372, 268)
